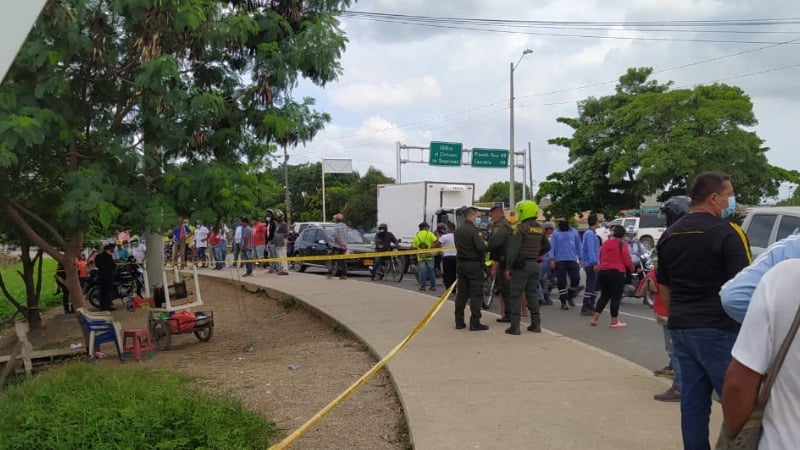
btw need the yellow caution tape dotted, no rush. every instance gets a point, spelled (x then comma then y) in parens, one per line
(369, 255)
(295, 435)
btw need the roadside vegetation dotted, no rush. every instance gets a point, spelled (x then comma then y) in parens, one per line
(81, 406)
(15, 286)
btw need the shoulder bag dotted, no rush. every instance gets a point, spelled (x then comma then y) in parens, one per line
(748, 436)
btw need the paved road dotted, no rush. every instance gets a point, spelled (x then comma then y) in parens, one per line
(642, 342)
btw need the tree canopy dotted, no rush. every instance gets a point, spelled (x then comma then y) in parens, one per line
(137, 112)
(648, 138)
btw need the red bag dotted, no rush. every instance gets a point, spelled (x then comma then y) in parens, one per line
(182, 321)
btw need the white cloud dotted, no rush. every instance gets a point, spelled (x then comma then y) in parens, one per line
(365, 95)
(416, 84)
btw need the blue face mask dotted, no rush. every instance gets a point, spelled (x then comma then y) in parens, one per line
(731, 207)
(477, 221)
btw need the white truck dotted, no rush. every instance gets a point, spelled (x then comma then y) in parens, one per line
(403, 206)
(648, 226)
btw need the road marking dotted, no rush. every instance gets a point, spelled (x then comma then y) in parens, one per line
(652, 319)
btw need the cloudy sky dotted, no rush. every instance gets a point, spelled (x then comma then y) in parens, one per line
(415, 84)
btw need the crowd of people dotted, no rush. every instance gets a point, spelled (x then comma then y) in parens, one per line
(727, 321)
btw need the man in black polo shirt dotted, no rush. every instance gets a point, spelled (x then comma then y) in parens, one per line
(697, 255)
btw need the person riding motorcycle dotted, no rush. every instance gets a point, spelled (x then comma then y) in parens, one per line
(639, 254)
(384, 242)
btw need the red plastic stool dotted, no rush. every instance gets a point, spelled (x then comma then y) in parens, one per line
(140, 342)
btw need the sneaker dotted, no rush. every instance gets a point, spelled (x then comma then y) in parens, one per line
(564, 307)
(504, 319)
(670, 395)
(587, 312)
(421, 288)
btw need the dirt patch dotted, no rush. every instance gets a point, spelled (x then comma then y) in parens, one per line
(255, 342)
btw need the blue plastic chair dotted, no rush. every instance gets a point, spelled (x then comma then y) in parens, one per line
(100, 332)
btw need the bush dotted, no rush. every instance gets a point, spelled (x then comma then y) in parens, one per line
(82, 406)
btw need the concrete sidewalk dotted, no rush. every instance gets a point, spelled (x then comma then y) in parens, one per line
(487, 389)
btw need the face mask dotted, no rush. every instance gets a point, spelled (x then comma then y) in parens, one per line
(269, 219)
(730, 209)
(477, 221)
(563, 226)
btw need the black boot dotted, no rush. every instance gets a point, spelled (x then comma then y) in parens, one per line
(460, 325)
(536, 328)
(505, 319)
(476, 325)
(513, 330)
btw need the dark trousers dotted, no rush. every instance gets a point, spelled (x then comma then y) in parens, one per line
(611, 283)
(106, 295)
(566, 269)
(449, 275)
(338, 267)
(591, 287)
(470, 287)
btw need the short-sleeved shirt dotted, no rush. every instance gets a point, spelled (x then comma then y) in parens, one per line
(339, 234)
(771, 312)
(696, 256)
(448, 240)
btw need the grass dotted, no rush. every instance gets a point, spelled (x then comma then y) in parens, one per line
(94, 407)
(16, 287)
(288, 302)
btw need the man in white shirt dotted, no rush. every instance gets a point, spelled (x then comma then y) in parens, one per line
(201, 243)
(769, 317)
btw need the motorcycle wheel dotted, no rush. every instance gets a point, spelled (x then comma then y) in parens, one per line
(93, 295)
(399, 269)
(162, 337)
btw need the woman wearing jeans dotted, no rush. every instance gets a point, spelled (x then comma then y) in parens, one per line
(615, 259)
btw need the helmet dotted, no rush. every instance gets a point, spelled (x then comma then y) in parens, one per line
(549, 226)
(383, 227)
(675, 207)
(278, 214)
(135, 238)
(630, 231)
(526, 209)
(270, 213)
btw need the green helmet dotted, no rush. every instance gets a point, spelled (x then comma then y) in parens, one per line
(526, 209)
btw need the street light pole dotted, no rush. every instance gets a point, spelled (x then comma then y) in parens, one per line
(511, 149)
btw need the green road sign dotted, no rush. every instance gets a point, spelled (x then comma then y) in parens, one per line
(445, 153)
(489, 157)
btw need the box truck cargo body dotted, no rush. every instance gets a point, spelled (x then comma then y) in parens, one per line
(403, 206)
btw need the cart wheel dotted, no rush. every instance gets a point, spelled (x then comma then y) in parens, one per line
(204, 334)
(161, 335)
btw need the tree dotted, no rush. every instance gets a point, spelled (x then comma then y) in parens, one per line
(140, 111)
(498, 192)
(647, 138)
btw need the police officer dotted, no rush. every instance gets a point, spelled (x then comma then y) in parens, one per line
(498, 245)
(527, 244)
(470, 253)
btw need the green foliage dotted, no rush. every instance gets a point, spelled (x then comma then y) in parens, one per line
(646, 139)
(288, 302)
(498, 192)
(16, 287)
(82, 406)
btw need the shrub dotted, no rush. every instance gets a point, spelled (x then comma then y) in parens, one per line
(82, 406)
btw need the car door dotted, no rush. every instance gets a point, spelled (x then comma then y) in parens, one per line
(788, 226)
(760, 231)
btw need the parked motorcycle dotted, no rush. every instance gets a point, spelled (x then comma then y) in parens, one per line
(129, 281)
(639, 284)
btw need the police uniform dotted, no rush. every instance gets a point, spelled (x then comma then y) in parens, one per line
(498, 247)
(470, 254)
(526, 245)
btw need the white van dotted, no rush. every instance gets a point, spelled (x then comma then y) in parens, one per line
(766, 225)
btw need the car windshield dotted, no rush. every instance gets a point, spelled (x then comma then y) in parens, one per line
(353, 237)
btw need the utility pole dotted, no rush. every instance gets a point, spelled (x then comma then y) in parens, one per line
(511, 148)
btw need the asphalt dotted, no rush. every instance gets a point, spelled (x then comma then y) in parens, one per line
(462, 389)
